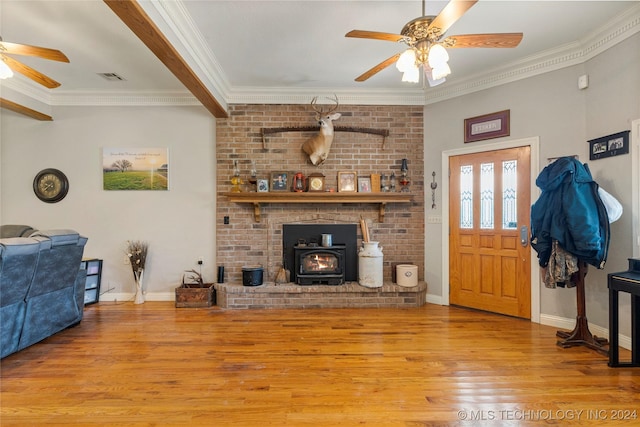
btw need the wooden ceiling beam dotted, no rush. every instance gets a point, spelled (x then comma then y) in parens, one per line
(130, 12)
(21, 109)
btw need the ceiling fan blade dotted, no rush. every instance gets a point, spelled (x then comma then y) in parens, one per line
(450, 14)
(381, 66)
(40, 52)
(483, 40)
(374, 35)
(27, 71)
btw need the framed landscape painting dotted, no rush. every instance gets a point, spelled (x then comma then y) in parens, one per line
(135, 169)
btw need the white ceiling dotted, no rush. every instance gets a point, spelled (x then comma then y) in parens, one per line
(272, 51)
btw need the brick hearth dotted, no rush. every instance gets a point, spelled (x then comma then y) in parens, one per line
(291, 295)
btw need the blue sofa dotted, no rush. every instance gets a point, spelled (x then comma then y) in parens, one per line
(15, 230)
(41, 287)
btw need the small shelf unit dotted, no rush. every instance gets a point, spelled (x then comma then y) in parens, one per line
(92, 283)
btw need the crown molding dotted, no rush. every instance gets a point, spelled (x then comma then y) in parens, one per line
(25, 87)
(286, 95)
(110, 98)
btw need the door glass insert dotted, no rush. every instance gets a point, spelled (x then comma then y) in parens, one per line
(509, 195)
(466, 196)
(486, 195)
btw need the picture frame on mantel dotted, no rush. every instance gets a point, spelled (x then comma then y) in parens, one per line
(364, 184)
(262, 185)
(347, 182)
(487, 126)
(609, 146)
(280, 181)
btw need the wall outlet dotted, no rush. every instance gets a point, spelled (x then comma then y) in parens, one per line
(200, 260)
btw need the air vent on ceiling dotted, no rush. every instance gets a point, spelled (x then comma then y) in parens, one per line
(112, 76)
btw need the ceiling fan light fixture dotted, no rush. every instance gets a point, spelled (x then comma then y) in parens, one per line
(406, 61)
(438, 56)
(441, 71)
(5, 71)
(425, 37)
(428, 73)
(411, 75)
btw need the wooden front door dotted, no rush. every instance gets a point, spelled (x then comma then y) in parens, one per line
(489, 252)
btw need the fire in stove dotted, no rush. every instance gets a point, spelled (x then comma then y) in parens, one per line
(320, 262)
(320, 265)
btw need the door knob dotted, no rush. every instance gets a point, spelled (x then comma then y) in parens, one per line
(524, 236)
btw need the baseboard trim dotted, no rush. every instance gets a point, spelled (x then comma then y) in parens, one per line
(434, 299)
(150, 296)
(569, 324)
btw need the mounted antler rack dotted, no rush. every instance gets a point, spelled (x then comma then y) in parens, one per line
(384, 133)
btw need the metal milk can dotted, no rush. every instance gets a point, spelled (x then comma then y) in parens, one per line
(370, 259)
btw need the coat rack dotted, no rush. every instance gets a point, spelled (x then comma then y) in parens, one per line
(581, 334)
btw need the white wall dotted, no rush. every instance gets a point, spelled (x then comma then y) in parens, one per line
(178, 224)
(613, 102)
(552, 107)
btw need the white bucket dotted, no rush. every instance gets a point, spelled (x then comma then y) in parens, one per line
(407, 275)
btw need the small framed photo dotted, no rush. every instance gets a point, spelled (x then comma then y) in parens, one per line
(609, 146)
(262, 185)
(364, 184)
(347, 182)
(280, 181)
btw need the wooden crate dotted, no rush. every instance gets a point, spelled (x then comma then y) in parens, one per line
(195, 295)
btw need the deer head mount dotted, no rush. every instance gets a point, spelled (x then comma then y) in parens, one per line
(317, 147)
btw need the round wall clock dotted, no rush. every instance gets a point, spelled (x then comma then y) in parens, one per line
(50, 185)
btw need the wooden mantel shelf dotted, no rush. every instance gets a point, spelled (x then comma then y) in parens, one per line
(381, 199)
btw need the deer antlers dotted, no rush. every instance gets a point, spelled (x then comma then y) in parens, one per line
(320, 112)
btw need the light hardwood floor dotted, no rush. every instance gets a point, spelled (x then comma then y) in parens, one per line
(153, 364)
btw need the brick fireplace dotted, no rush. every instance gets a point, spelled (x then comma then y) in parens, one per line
(243, 241)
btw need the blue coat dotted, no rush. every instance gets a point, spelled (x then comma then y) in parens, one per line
(570, 211)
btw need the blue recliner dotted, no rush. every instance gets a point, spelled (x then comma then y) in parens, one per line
(18, 261)
(41, 287)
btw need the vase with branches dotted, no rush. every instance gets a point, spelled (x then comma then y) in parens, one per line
(137, 253)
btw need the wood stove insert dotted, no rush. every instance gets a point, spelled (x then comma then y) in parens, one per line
(344, 236)
(320, 265)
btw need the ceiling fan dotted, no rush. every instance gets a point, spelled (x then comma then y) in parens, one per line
(8, 64)
(427, 45)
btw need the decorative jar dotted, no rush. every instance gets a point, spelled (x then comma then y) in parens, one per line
(370, 261)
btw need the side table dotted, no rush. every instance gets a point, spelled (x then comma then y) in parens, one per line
(626, 281)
